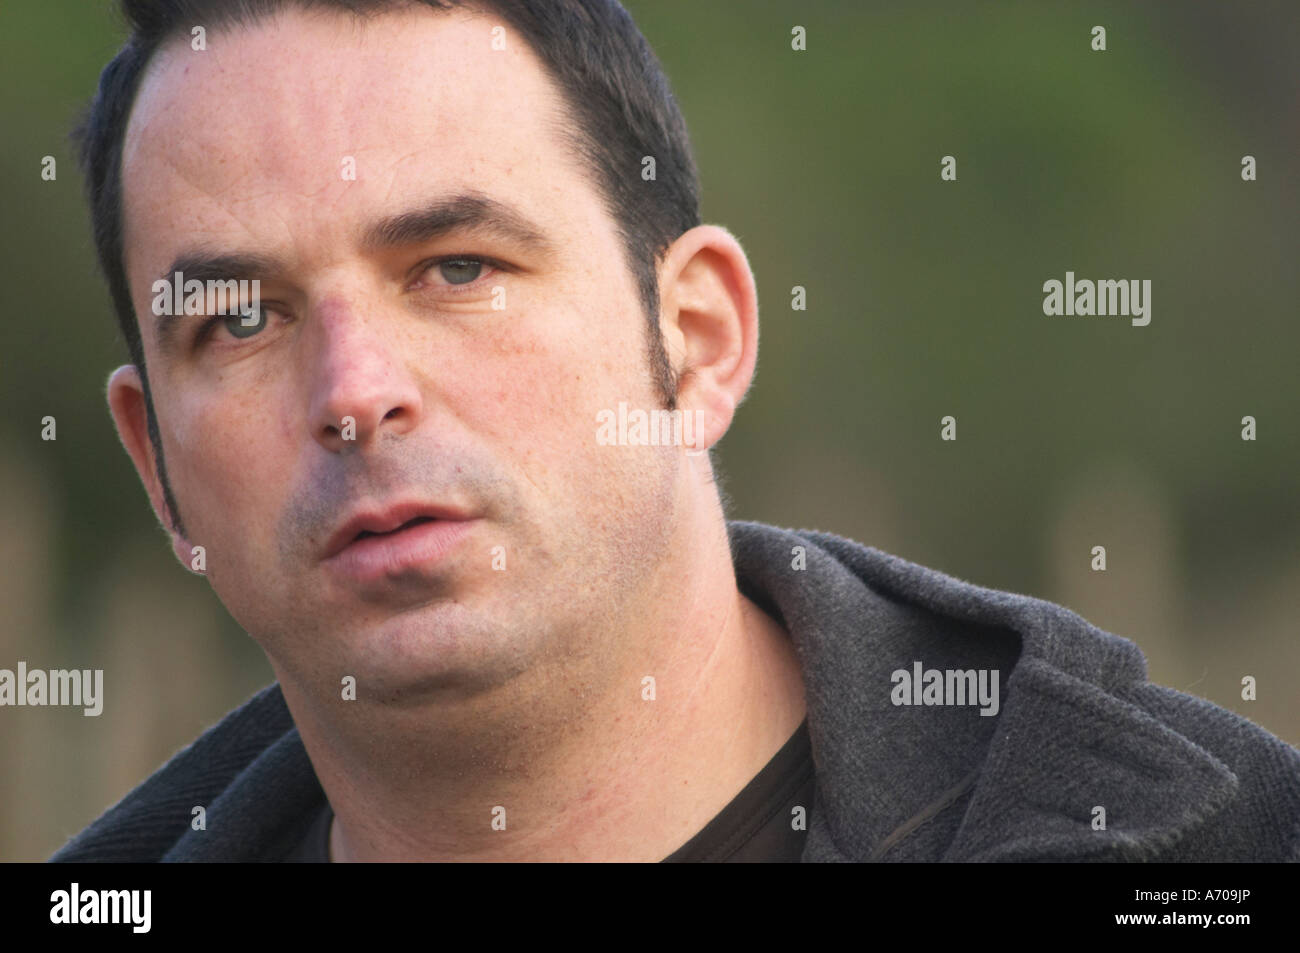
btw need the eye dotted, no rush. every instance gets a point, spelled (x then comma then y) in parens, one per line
(457, 271)
(240, 326)
(246, 324)
(460, 271)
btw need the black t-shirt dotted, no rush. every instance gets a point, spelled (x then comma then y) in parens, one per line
(759, 825)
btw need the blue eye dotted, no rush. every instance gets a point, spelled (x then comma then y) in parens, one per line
(246, 325)
(460, 271)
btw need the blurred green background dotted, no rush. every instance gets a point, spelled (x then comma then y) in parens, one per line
(924, 299)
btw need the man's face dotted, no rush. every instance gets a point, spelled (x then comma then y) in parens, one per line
(246, 148)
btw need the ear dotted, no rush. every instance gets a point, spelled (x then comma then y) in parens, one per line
(709, 321)
(127, 404)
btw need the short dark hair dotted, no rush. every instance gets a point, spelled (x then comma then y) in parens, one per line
(610, 80)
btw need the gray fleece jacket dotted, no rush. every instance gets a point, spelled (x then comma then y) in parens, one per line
(948, 722)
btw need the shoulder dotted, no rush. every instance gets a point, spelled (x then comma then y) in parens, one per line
(1261, 820)
(143, 825)
(1081, 725)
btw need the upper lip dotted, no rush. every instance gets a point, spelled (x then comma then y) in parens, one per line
(386, 519)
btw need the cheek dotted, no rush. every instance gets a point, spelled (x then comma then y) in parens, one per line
(231, 460)
(540, 390)
(543, 380)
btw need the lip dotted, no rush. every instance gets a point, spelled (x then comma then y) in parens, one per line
(395, 549)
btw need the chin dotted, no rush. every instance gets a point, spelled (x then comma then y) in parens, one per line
(441, 649)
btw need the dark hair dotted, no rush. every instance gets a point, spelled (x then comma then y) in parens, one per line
(609, 78)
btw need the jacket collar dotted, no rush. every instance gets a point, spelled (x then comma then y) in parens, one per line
(1069, 736)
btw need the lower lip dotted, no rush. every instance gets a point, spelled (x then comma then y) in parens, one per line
(422, 546)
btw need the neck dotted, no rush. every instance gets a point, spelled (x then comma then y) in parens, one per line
(574, 759)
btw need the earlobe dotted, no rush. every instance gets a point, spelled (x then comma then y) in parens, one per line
(193, 558)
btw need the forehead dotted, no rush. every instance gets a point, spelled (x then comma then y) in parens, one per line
(249, 139)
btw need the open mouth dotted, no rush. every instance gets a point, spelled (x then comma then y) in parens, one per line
(418, 546)
(365, 533)
(402, 537)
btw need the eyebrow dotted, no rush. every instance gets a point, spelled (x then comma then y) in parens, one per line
(464, 211)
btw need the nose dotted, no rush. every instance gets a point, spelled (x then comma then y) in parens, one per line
(360, 385)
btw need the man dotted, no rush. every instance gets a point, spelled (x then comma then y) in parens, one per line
(507, 620)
